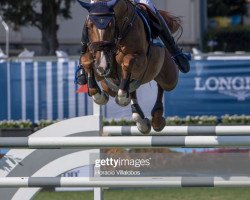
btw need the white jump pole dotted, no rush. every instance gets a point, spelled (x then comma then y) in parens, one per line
(180, 131)
(125, 142)
(125, 182)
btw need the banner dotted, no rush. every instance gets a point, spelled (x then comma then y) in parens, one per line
(211, 88)
(46, 91)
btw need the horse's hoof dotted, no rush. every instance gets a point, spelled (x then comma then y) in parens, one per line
(122, 99)
(101, 99)
(158, 124)
(144, 127)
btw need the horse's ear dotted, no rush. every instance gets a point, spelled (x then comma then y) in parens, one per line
(85, 5)
(112, 3)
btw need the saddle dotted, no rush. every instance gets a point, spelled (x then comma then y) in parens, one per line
(150, 20)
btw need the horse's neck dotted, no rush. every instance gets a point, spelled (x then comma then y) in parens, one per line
(124, 10)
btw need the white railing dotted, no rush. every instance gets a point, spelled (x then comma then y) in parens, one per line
(220, 55)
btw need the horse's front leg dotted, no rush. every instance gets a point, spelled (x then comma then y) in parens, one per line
(130, 63)
(158, 121)
(142, 123)
(100, 97)
(123, 96)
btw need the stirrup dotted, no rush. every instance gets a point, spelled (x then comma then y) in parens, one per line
(76, 80)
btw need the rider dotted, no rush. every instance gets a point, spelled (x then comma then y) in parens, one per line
(166, 36)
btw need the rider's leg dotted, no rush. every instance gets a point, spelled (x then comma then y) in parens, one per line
(81, 77)
(179, 57)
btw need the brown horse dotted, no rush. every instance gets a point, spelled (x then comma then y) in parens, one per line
(122, 59)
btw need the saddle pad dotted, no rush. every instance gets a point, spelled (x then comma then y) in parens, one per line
(154, 42)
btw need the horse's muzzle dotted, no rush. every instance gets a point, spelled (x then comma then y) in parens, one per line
(108, 49)
(104, 64)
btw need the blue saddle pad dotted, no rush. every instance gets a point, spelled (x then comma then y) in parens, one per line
(154, 42)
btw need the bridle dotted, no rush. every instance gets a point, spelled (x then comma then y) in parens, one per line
(101, 13)
(101, 16)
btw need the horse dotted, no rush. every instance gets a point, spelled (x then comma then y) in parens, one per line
(121, 58)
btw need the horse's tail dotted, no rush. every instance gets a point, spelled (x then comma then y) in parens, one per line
(173, 22)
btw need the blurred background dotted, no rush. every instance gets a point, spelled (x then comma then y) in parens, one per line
(41, 25)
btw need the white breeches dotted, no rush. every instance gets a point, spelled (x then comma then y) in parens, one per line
(147, 2)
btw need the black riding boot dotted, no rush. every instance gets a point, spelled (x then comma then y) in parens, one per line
(180, 58)
(81, 76)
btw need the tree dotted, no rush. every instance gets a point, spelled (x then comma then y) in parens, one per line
(226, 7)
(42, 14)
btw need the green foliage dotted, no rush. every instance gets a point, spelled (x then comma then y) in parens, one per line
(226, 7)
(15, 124)
(235, 120)
(197, 120)
(191, 120)
(171, 121)
(154, 194)
(44, 123)
(122, 122)
(229, 39)
(32, 12)
(42, 14)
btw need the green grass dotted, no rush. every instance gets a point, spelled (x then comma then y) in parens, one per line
(161, 194)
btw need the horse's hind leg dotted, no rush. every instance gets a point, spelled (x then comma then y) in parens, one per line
(158, 121)
(142, 123)
(166, 80)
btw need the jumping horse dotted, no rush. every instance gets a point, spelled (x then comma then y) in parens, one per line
(121, 58)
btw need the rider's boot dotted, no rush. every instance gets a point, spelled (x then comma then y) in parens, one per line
(180, 58)
(81, 76)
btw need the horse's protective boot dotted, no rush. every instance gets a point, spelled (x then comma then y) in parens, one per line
(81, 76)
(180, 58)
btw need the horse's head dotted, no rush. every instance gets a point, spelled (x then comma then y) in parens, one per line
(102, 33)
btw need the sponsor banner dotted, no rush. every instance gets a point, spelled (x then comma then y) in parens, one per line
(211, 88)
